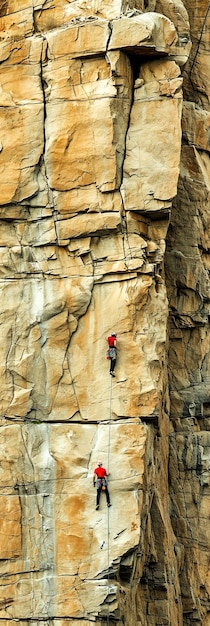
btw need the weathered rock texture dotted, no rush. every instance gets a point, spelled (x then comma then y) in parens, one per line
(104, 208)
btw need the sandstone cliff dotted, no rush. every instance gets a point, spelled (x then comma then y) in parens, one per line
(105, 178)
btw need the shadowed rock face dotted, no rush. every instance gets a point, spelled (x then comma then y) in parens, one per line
(104, 178)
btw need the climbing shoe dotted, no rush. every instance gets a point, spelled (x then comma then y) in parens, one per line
(97, 507)
(109, 504)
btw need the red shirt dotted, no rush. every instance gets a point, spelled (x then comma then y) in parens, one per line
(100, 471)
(111, 341)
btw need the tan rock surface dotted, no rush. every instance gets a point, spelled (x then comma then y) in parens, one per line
(157, 101)
(55, 498)
(149, 29)
(98, 201)
(52, 16)
(99, 140)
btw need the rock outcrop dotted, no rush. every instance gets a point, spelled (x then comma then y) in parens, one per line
(105, 176)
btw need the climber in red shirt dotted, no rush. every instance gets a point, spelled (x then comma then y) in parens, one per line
(100, 479)
(112, 352)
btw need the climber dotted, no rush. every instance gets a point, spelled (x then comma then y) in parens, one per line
(112, 352)
(100, 479)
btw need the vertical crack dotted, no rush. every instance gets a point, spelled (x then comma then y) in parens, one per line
(43, 60)
(124, 225)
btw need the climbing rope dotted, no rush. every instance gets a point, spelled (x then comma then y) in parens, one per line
(109, 433)
(108, 525)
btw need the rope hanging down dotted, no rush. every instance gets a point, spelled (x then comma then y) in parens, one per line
(108, 527)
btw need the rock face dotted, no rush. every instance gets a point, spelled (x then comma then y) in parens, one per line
(104, 208)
